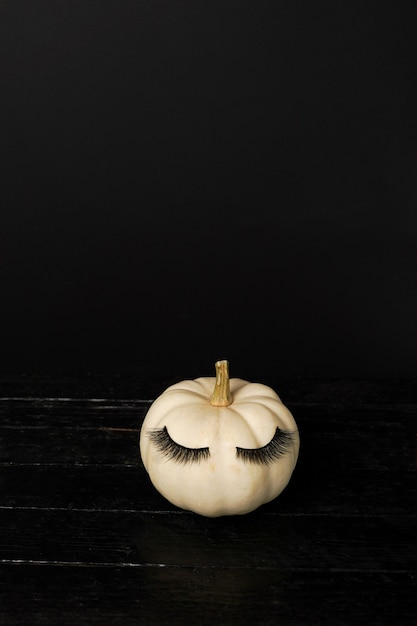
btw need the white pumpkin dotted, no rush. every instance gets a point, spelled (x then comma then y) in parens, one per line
(221, 452)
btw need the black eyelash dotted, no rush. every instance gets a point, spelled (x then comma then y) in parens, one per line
(277, 447)
(161, 439)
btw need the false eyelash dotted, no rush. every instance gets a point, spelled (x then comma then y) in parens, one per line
(175, 451)
(277, 447)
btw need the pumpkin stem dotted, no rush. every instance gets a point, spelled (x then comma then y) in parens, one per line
(221, 395)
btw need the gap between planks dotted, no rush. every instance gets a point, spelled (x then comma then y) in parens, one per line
(184, 512)
(116, 565)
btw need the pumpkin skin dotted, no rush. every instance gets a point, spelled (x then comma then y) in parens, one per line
(221, 483)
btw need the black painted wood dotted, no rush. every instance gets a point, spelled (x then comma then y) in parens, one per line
(117, 596)
(86, 539)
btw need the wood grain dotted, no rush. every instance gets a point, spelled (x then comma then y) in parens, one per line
(86, 539)
(118, 596)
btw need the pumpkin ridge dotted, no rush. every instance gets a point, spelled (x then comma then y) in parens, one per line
(182, 390)
(261, 392)
(249, 424)
(253, 423)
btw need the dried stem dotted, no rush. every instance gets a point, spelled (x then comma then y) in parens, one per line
(221, 395)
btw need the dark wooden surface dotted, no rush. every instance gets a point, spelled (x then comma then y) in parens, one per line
(86, 539)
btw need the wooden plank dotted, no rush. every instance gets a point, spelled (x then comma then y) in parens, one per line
(70, 446)
(120, 446)
(107, 433)
(67, 413)
(310, 491)
(345, 392)
(41, 413)
(129, 596)
(314, 543)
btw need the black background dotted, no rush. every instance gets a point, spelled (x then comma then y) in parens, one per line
(187, 181)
